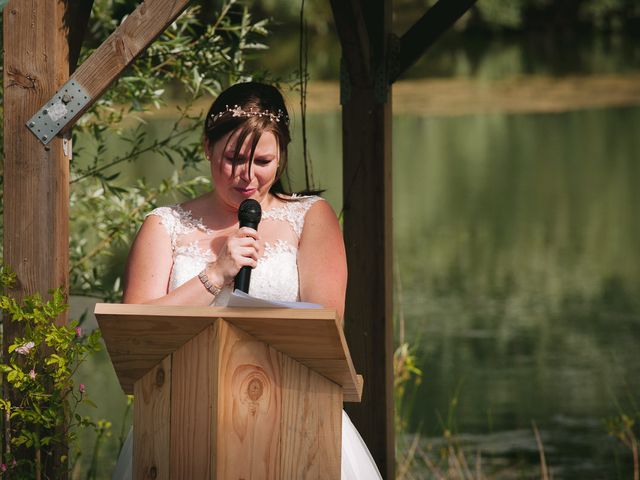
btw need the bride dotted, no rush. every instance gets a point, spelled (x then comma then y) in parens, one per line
(189, 254)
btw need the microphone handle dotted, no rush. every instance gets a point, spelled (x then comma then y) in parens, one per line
(242, 279)
(241, 282)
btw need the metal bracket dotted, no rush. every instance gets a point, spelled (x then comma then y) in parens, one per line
(58, 111)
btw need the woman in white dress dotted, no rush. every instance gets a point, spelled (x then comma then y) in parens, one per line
(189, 254)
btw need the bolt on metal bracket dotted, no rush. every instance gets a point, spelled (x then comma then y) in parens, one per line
(58, 111)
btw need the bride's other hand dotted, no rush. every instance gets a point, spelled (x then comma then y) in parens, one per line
(240, 250)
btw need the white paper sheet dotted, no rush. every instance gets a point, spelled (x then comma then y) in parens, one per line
(240, 299)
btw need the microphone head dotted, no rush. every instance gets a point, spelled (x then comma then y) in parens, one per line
(249, 213)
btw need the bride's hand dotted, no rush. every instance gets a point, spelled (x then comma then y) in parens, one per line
(240, 250)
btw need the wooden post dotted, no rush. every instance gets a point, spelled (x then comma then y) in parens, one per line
(367, 231)
(36, 178)
(366, 129)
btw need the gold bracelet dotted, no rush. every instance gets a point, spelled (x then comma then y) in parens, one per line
(211, 288)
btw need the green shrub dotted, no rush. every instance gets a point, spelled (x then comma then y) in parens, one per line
(40, 409)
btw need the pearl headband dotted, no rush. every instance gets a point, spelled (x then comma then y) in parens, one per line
(237, 111)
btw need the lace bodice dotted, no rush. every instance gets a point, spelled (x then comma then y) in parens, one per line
(275, 277)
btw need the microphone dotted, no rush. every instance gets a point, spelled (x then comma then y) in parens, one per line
(249, 215)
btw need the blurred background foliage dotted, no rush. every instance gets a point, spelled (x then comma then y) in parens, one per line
(487, 15)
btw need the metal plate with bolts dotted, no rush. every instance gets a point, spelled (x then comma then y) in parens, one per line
(58, 111)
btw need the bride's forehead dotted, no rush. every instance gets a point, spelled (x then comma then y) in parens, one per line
(267, 141)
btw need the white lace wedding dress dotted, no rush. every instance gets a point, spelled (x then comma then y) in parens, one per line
(275, 278)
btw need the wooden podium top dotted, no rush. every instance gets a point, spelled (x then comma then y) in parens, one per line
(138, 337)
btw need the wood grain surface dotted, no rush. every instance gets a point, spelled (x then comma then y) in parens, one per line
(312, 424)
(36, 178)
(138, 336)
(194, 376)
(249, 407)
(226, 405)
(368, 235)
(151, 420)
(368, 242)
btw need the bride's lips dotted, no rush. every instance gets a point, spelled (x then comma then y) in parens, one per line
(247, 192)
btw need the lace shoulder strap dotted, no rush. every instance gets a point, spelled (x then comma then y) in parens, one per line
(293, 212)
(175, 220)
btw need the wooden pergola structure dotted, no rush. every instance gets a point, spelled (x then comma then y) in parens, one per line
(45, 94)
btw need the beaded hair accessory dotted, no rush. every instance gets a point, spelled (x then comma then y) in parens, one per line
(238, 111)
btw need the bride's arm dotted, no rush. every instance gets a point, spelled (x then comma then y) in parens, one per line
(322, 263)
(149, 268)
(150, 261)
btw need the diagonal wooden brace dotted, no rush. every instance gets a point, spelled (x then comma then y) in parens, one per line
(103, 67)
(424, 33)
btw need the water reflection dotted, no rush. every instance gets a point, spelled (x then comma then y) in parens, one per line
(516, 238)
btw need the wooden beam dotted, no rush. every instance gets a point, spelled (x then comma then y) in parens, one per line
(76, 19)
(366, 145)
(437, 20)
(117, 52)
(352, 31)
(368, 239)
(36, 178)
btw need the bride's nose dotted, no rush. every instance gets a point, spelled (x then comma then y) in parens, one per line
(244, 171)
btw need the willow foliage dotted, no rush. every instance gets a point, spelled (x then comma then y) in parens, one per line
(201, 53)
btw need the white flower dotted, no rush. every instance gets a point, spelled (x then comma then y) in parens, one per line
(25, 349)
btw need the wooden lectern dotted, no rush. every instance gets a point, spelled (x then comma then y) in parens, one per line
(232, 393)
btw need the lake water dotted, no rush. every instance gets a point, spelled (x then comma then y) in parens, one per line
(518, 264)
(516, 249)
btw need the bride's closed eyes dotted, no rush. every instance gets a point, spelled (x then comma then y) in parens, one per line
(263, 161)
